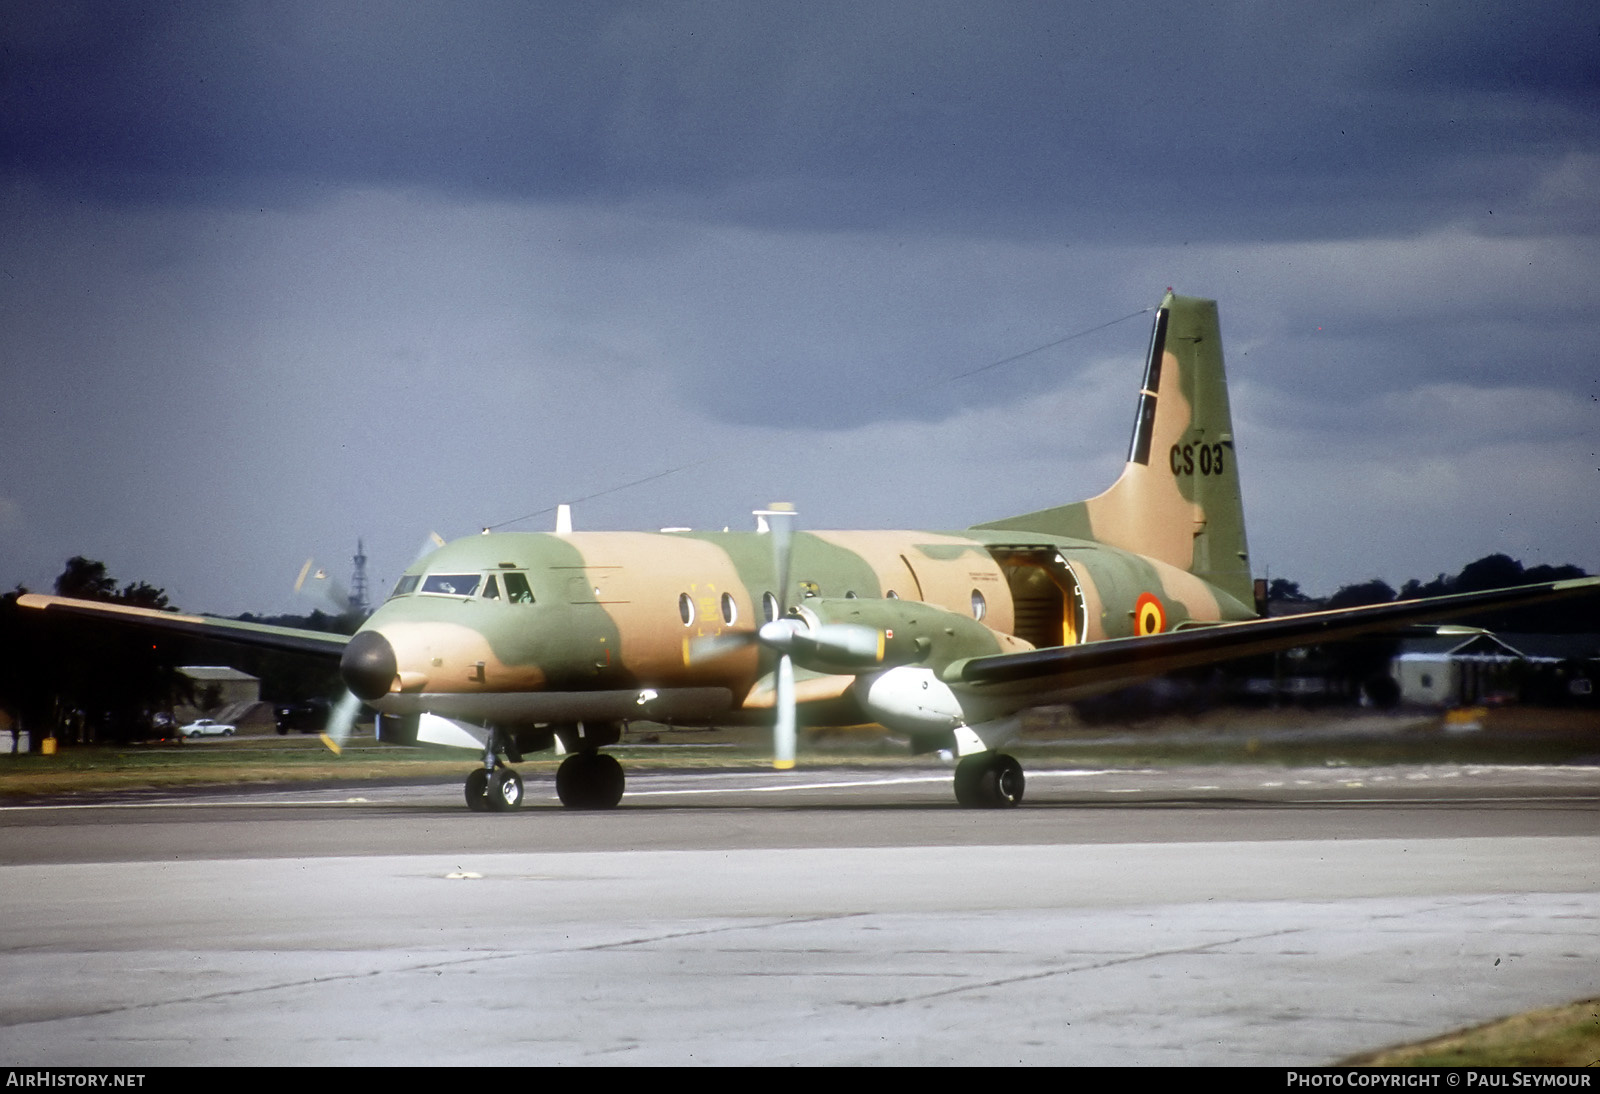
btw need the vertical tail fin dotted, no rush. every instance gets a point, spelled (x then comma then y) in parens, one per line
(1177, 499)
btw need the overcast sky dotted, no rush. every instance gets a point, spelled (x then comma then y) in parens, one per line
(281, 275)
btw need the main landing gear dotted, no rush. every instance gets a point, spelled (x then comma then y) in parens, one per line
(989, 780)
(589, 780)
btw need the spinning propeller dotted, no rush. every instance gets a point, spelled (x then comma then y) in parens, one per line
(797, 636)
(341, 720)
(314, 581)
(780, 524)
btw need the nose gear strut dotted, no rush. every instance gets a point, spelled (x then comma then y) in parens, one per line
(495, 787)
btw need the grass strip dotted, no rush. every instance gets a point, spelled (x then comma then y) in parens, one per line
(1566, 1036)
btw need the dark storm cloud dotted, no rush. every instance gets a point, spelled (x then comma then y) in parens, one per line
(279, 271)
(1065, 120)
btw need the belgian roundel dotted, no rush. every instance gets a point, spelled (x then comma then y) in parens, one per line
(1149, 616)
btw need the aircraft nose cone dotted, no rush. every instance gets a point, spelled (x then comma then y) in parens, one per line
(368, 665)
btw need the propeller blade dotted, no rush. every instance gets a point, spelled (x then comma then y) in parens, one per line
(779, 522)
(783, 726)
(431, 544)
(779, 634)
(711, 646)
(315, 582)
(341, 720)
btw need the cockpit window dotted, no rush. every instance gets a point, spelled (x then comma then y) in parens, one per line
(452, 584)
(491, 589)
(517, 591)
(407, 585)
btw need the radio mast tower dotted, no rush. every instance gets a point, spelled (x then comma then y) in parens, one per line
(358, 581)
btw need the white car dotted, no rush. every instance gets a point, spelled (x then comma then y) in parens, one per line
(205, 727)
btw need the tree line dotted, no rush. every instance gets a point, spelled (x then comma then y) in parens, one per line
(1496, 571)
(87, 682)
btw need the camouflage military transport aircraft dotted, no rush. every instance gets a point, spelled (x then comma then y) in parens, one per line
(507, 643)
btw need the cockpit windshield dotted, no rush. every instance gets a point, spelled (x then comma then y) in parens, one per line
(452, 584)
(407, 584)
(517, 590)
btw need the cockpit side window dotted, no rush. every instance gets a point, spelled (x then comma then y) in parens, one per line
(517, 590)
(406, 586)
(452, 584)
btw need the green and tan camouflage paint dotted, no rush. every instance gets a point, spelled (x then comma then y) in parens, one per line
(1163, 547)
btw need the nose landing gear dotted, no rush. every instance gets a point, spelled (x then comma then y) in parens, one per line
(497, 791)
(494, 787)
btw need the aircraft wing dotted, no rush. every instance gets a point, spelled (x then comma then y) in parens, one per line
(291, 639)
(1058, 673)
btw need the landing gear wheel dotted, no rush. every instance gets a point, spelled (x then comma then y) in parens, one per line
(504, 790)
(608, 781)
(590, 780)
(478, 790)
(968, 772)
(989, 780)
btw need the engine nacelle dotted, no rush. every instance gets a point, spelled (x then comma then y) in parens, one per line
(855, 636)
(910, 699)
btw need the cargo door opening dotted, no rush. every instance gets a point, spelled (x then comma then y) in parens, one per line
(1046, 597)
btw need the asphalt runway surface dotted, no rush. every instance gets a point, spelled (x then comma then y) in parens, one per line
(846, 916)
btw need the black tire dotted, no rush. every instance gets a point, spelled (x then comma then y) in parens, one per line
(1004, 783)
(504, 792)
(478, 790)
(989, 780)
(608, 781)
(590, 780)
(968, 773)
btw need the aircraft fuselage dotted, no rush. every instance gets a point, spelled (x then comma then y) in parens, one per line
(603, 617)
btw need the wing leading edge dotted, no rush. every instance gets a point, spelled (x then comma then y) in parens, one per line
(291, 639)
(1059, 672)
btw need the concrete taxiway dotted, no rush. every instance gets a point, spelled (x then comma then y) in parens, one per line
(1199, 916)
